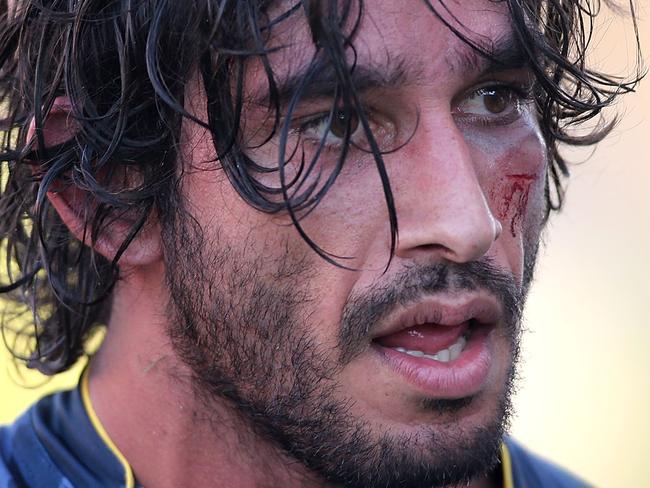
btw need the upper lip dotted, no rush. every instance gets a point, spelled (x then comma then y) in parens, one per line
(447, 310)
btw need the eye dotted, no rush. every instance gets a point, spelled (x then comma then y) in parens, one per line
(341, 121)
(496, 101)
(317, 129)
(491, 105)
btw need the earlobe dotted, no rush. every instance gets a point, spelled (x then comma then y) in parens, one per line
(76, 207)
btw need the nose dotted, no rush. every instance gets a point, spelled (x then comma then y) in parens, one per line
(442, 208)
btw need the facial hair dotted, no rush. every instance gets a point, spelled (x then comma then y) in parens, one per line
(243, 324)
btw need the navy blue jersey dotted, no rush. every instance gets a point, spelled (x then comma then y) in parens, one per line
(60, 443)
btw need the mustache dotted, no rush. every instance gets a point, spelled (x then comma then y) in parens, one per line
(362, 312)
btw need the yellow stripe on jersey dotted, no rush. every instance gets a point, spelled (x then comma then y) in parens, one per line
(92, 415)
(506, 466)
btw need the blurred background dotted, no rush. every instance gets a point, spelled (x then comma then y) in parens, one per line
(584, 397)
(584, 394)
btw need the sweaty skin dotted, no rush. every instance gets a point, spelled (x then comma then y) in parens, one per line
(456, 183)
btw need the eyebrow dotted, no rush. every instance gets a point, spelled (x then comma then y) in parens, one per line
(505, 53)
(502, 55)
(323, 81)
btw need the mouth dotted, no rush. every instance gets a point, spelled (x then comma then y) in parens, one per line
(444, 351)
(428, 341)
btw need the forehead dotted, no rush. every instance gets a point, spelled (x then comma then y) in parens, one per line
(405, 32)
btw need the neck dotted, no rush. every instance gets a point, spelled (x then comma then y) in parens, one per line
(144, 398)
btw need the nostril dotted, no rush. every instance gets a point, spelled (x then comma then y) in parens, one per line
(433, 248)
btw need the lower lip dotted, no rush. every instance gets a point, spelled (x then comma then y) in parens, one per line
(460, 378)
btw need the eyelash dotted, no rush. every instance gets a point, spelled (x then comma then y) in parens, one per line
(322, 119)
(519, 93)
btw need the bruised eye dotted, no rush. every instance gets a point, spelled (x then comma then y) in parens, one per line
(494, 104)
(495, 101)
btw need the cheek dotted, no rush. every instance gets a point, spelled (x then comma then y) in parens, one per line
(351, 218)
(514, 183)
(511, 198)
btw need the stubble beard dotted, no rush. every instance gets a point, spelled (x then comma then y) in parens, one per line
(242, 324)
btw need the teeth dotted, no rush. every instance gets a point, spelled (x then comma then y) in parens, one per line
(457, 348)
(443, 356)
(417, 354)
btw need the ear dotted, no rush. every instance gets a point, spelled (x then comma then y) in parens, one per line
(75, 205)
(72, 206)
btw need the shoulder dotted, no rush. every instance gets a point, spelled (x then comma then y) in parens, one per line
(13, 438)
(6, 478)
(532, 471)
(24, 461)
(55, 444)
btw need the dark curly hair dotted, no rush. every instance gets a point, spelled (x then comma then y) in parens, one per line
(124, 65)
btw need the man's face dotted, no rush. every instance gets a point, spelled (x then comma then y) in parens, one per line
(373, 375)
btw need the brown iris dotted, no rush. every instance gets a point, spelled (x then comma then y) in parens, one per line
(495, 101)
(340, 122)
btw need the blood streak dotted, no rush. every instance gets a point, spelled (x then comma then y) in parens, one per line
(517, 193)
